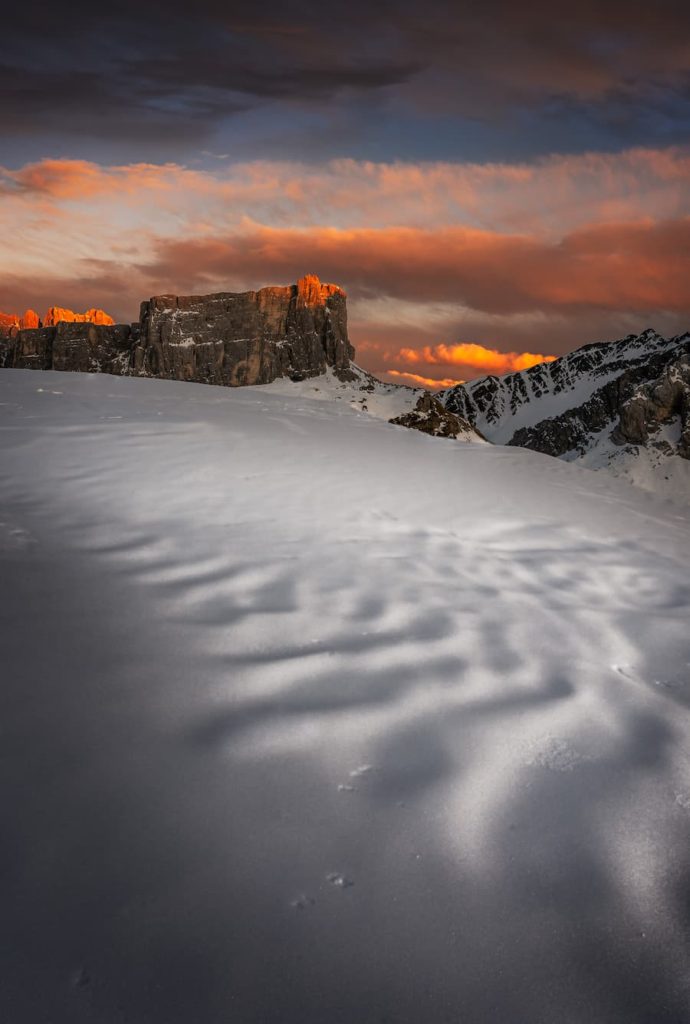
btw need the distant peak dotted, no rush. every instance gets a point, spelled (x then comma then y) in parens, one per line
(311, 292)
(56, 314)
(10, 321)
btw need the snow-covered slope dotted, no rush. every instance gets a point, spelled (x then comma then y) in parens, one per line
(364, 392)
(570, 407)
(306, 717)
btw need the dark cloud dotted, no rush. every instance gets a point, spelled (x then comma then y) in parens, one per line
(146, 70)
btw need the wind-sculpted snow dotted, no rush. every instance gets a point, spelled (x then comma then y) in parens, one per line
(308, 718)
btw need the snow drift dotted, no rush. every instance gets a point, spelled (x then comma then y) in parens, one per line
(310, 718)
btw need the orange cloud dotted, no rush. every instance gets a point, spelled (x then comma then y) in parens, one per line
(81, 179)
(433, 383)
(641, 266)
(554, 194)
(476, 356)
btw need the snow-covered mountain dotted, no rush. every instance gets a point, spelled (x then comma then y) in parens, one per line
(572, 408)
(309, 718)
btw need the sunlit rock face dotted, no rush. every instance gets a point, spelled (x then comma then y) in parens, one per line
(30, 320)
(228, 338)
(9, 324)
(247, 337)
(56, 315)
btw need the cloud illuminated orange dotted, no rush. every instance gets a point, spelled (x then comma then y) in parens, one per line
(477, 356)
(433, 383)
(640, 266)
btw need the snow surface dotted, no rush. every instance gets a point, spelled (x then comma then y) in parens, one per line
(310, 719)
(654, 467)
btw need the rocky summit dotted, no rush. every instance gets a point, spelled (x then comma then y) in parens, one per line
(227, 338)
(11, 324)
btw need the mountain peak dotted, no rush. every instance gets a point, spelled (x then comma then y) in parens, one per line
(311, 292)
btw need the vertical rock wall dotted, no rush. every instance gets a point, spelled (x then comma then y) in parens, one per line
(228, 338)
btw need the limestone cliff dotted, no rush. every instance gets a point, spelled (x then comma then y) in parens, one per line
(246, 337)
(56, 315)
(228, 338)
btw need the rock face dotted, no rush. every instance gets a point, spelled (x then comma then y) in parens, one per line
(93, 348)
(30, 320)
(657, 404)
(9, 324)
(229, 338)
(56, 315)
(431, 417)
(247, 337)
(31, 349)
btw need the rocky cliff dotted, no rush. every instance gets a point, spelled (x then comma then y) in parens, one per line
(10, 323)
(663, 402)
(56, 315)
(245, 338)
(228, 338)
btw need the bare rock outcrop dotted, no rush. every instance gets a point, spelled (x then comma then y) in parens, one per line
(658, 403)
(9, 324)
(93, 348)
(56, 315)
(30, 320)
(228, 338)
(246, 337)
(31, 349)
(431, 417)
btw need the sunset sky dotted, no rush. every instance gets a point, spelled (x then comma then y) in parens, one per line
(490, 183)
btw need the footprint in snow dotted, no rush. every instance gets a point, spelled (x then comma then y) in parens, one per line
(363, 769)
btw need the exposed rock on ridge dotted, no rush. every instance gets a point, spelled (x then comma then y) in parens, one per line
(56, 315)
(431, 417)
(10, 323)
(657, 404)
(228, 338)
(245, 338)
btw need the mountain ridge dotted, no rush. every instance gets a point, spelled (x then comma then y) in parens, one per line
(606, 405)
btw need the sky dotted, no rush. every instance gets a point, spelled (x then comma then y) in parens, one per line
(490, 183)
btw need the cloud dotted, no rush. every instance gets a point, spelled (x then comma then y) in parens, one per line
(476, 356)
(550, 195)
(157, 76)
(432, 383)
(642, 266)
